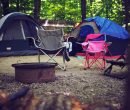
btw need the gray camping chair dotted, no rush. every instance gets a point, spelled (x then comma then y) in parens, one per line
(51, 44)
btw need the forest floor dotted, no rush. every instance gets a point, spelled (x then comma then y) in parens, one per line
(89, 86)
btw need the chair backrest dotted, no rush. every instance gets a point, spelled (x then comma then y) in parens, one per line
(95, 37)
(96, 46)
(51, 39)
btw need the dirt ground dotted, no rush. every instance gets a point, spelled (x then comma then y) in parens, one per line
(89, 85)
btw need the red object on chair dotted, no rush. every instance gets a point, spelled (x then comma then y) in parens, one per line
(95, 53)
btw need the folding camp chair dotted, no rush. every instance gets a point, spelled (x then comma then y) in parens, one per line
(121, 62)
(95, 53)
(51, 44)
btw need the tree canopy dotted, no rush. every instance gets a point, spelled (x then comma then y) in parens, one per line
(68, 10)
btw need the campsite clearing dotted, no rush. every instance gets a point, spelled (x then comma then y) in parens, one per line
(90, 86)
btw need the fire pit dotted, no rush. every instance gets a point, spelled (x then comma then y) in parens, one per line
(34, 72)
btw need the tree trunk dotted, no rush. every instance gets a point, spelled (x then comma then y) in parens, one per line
(37, 7)
(0, 9)
(5, 6)
(17, 5)
(126, 10)
(83, 9)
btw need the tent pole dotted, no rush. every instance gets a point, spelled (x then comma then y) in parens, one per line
(21, 25)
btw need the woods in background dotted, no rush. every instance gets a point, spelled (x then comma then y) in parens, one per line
(68, 10)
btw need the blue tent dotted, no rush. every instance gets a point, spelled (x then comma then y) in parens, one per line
(114, 33)
(109, 27)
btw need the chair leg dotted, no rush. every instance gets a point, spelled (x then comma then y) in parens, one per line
(86, 62)
(100, 62)
(104, 63)
(108, 70)
(51, 58)
(39, 56)
(64, 66)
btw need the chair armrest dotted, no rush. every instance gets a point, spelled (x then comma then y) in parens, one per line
(35, 42)
(84, 44)
(108, 43)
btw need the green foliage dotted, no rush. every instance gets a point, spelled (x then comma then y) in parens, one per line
(61, 10)
(25, 6)
(111, 9)
(70, 10)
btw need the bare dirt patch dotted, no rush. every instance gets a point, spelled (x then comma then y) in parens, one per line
(89, 85)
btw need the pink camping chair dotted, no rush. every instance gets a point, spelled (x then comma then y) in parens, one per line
(95, 53)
